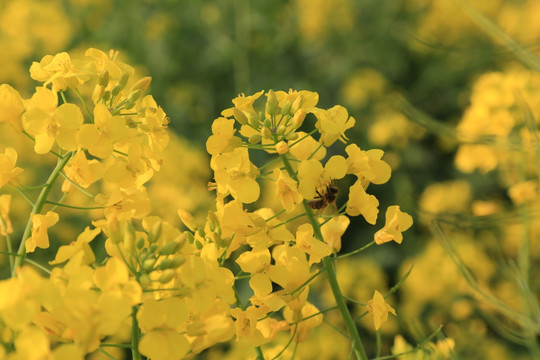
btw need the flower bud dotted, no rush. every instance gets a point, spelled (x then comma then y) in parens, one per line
(98, 93)
(116, 90)
(280, 130)
(255, 139)
(296, 104)
(298, 118)
(134, 95)
(282, 147)
(216, 238)
(254, 121)
(265, 132)
(271, 103)
(292, 136)
(140, 243)
(103, 79)
(148, 264)
(152, 248)
(167, 276)
(213, 221)
(240, 116)
(286, 109)
(123, 80)
(144, 280)
(267, 123)
(189, 236)
(155, 232)
(178, 261)
(142, 84)
(170, 248)
(164, 264)
(106, 96)
(187, 219)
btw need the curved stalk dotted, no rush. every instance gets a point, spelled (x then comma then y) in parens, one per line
(332, 278)
(36, 209)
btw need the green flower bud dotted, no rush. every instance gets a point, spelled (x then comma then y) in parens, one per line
(170, 248)
(116, 90)
(296, 104)
(281, 130)
(178, 261)
(267, 123)
(167, 276)
(298, 118)
(134, 95)
(254, 122)
(255, 139)
(155, 232)
(213, 221)
(152, 249)
(106, 96)
(148, 264)
(265, 132)
(144, 280)
(286, 109)
(103, 79)
(165, 264)
(189, 236)
(271, 103)
(292, 136)
(140, 243)
(123, 80)
(240, 116)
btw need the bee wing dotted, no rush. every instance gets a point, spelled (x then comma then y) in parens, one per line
(331, 209)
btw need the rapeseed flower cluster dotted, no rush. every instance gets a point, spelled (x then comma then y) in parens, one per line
(175, 287)
(284, 245)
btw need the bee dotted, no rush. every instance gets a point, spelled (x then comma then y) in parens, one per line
(325, 198)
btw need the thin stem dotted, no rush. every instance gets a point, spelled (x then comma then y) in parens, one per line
(80, 188)
(357, 250)
(38, 206)
(74, 207)
(332, 278)
(8, 242)
(38, 265)
(136, 355)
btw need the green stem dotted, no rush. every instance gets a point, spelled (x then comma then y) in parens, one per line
(136, 355)
(38, 206)
(332, 278)
(8, 242)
